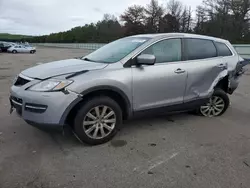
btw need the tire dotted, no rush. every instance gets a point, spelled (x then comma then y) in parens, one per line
(218, 104)
(83, 131)
(14, 51)
(32, 51)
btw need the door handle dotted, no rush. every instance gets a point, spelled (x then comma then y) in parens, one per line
(179, 71)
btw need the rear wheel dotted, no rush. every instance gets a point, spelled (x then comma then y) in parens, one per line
(98, 120)
(14, 51)
(217, 104)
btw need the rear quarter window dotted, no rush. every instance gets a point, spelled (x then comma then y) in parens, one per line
(222, 49)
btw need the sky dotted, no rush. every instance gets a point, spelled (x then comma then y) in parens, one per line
(40, 17)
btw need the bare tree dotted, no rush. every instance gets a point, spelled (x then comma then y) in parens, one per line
(154, 13)
(134, 18)
(175, 8)
(108, 17)
(189, 19)
(169, 23)
(200, 19)
(134, 14)
(185, 19)
(224, 18)
(241, 9)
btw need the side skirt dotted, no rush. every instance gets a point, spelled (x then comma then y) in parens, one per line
(188, 106)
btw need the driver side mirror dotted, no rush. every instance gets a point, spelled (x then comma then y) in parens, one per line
(146, 59)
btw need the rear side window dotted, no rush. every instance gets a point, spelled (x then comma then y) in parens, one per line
(199, 49)
(222, 49)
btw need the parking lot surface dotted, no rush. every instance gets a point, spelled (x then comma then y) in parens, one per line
(181, 150)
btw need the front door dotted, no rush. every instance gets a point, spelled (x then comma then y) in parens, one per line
(162, 84)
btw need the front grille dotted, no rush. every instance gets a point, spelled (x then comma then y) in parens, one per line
(21, 81)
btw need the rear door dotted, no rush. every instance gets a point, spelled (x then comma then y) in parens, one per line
(204, 68)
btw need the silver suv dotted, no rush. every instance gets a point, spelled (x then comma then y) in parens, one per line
(130, 76)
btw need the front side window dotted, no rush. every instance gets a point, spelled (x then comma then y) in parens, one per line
(199, 49)
(117, 50)
(222, 49)
(168, 50)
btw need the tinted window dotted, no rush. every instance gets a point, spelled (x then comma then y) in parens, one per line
(165, 51)
(222, 49)
(199, 49)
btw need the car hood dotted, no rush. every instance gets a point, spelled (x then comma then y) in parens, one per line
(62, 67)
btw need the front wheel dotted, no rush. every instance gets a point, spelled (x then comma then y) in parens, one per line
(32, 51)
(98, 120)
(14, 51)
(217, 104)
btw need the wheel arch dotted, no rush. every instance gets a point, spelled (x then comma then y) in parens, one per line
(223, 83)
(113, 92)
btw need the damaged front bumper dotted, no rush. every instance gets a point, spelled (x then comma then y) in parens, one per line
(43, 108)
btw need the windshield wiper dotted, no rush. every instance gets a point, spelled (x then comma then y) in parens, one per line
(87, 59)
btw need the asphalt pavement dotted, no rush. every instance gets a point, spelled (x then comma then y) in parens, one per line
(181, 150)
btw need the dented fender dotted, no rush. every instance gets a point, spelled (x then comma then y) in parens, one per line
(220, 76)
(233, 83)
(233, 78)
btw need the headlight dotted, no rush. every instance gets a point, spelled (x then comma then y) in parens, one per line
(14, 80)
(50, 85)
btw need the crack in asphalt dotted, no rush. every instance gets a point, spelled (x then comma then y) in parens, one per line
(246, 164)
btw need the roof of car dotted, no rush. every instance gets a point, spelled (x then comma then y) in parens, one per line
(163, 35)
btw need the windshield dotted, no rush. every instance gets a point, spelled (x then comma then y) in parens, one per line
(116, 50)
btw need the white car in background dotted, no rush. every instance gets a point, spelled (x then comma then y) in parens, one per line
(22, 49)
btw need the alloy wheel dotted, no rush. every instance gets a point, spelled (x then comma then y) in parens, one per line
(214, 107)
(99, 122)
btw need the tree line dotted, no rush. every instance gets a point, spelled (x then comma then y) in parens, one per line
(228, 19)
